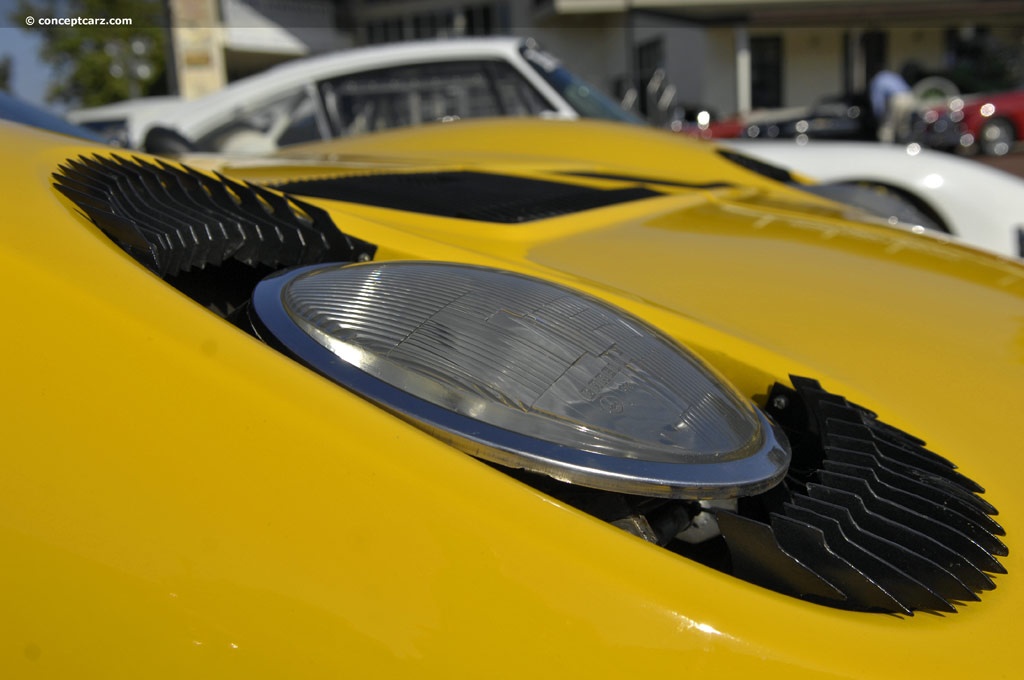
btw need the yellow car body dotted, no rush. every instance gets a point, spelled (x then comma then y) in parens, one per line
(178, 499)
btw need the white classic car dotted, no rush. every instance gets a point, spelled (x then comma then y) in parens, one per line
(374, 88)
(116, 121)
(910, 185)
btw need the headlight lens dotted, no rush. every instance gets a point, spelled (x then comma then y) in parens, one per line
(527, 374)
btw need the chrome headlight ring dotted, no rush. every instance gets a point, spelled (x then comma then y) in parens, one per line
(527, 374)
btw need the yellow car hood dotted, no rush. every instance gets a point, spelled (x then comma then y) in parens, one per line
(733, 263)
(178, 499)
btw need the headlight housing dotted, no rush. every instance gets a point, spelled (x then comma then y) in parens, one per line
(526, 374)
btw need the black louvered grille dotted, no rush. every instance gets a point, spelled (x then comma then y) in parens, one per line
(466, 195)
(868, 518)
(174, 219)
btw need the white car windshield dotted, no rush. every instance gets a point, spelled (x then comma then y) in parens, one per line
(587, 100)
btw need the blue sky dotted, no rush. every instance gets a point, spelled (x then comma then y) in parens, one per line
(31, 76)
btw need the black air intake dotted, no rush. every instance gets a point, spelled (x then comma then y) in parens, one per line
(868, 518)
(466, 195)
(174, 219)
(760, 167)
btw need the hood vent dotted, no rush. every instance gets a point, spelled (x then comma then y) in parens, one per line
(174, 219)
(760, 167)
(467, 195)
(867, 519)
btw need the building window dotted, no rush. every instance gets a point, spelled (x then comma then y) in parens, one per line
(876, 52)
(649, 60)
(766, 71)
(385, 30)
(481, 19)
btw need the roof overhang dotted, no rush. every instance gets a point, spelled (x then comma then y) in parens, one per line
(804, 12)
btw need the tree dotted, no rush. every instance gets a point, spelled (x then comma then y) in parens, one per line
(95, 64)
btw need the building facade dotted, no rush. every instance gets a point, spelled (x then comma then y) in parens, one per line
(731, 56)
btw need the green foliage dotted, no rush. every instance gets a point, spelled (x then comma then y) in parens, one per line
(99, 64)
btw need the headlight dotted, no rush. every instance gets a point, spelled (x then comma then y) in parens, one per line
(527, 374)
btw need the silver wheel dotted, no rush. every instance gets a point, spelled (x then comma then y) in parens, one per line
(997, 137)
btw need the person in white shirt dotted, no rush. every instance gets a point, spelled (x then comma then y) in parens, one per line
(892, 102)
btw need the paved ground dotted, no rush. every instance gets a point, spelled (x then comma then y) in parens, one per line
(1013, 162)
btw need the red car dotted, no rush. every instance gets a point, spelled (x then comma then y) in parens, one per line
(993, 122)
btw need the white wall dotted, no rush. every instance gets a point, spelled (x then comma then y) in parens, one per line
(812, 65)
(593, 50)
(685, 47)
(719, 84)
(924, 46)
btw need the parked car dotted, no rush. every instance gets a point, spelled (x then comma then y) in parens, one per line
(846, 117)
(513, 398)
(112, 121)
(981, 205)
(837, 117)
(374, 88)
(703, 122)
(990, 123)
